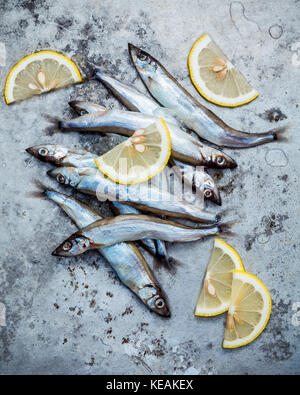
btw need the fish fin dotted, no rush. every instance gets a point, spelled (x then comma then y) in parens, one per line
(86, 172)
(55, 124)
(225, 228)
(40, 192)
(172, 264)
(167, 263)
(224, 212)
(35, 194)
(278, 133)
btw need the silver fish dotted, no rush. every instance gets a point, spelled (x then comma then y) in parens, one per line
(93, 182)
(184, 147)
(199, 180)
(62, 156)
(156, 247)
(170, 94)
(132, 227)
(124, 258)
(134, 100)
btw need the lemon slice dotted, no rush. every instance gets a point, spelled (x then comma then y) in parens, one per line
(215, 294)
(249, 310)
(215, 77)
(140, 157)
(38, 73)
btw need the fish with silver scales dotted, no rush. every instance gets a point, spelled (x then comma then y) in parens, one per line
(170, 94)
(124, 258)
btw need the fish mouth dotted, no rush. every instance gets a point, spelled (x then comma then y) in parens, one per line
(233, 164)
(50, 173)
(216, 198)
(163, 313)
(32, 151)
(59, 252)
(132, 49)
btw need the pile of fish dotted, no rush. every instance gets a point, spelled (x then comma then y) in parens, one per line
(140, 219)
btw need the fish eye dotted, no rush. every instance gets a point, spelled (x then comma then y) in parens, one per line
(160, 303)
(220, 160)
(207, 193)
(43, 151)
(60, 178)
(67, 246)
(142, 56)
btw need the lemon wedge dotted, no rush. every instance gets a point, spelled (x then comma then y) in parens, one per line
(215, 77)
(249, 310)
(215, 294)
(140, 157)
(38, 73)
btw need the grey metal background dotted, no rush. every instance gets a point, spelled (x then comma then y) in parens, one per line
(73, 316)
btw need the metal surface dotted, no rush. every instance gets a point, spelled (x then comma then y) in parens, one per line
(74, 316)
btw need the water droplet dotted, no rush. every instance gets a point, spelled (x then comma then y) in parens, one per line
(276, 158)
(275, 31)
(262, 238)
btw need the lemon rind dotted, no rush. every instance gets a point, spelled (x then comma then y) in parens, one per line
(148, 177)
(232, 250)
(200, 90)
(216, 242)
(267, 317)
(31, 56)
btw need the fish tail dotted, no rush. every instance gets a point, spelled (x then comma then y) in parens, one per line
(172, 264)
(40, 192)
(225, 228)
(166, 262)
(55, 124)
(275, 133)
(279, 133)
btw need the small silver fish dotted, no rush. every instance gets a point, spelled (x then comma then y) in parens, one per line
(170, 94)
(199, 180)
(135, 100)
(156, 247)
(184, 147)
(93, 182)
(124, 258)
(62, 156)
(132, 227)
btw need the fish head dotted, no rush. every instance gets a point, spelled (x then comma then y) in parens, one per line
(145, 64)
(82, 107)
(159, 304)
(53, 153)
(66, 175)
(219, 160)
(74, 245)
(208, 188)
(154, 298)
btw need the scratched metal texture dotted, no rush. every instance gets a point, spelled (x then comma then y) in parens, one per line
(73, 316)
